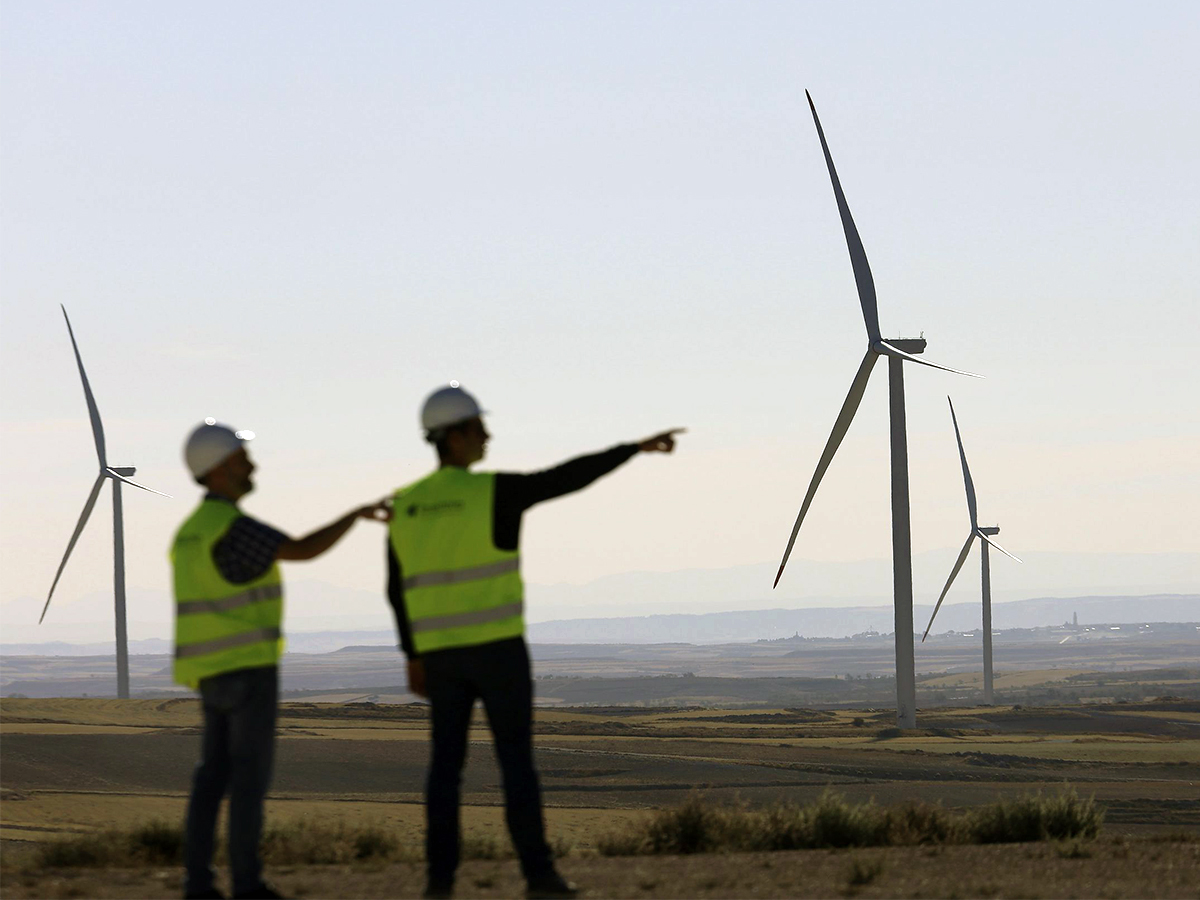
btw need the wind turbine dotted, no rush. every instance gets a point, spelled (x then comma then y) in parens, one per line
(897, 351)
(118, 475)
(985, 540)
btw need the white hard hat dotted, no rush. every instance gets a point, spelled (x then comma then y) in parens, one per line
(210, 444)
(448, 406)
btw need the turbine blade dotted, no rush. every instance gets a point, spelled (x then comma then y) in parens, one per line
(132, 483)
(87, 511)
(858, 256)
(962, 557)
(998, 547)
(849, 406)
(93, 412)
(882, 346)
(966, 472)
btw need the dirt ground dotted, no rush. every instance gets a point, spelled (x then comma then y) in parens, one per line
(72, 767)
(1109, 867)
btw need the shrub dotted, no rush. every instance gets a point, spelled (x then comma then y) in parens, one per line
(694, 827)
(303, 841)
(155, 843)
(1034, 817)
(923, 823)
(831, 821)
(630, 842)
(160, 843)
(373, 842)
(78, 852)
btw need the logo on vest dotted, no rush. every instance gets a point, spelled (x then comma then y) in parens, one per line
(434, 509)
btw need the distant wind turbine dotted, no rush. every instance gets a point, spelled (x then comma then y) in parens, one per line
(985, 540)
(897, 351)
(118, 475)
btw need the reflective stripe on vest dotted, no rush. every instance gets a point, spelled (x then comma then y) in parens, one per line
(220, 626)
(480, 617)
(266, 592)
(458, 576)
(460, 590)
(226, 643)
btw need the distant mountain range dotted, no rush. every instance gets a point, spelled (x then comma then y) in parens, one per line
(734, 626)
(811, 585)
(730, 627)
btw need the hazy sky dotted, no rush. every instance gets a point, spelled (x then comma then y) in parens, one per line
(604, 219)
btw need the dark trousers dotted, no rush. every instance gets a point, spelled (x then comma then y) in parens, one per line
(498, 674)
(239, 740)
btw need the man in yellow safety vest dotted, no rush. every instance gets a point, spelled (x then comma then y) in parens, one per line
(455, 586)
(228, 639)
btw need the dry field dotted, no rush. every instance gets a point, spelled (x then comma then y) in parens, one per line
(75, 766)
(1106, 868)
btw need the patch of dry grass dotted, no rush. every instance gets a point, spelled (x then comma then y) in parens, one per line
(291, 843)
(307, 842)
(155, 843)
(1036, 817)
(699, 826)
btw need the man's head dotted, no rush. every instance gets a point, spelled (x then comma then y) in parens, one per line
(463, 443)
(453, 423)
(216, 456)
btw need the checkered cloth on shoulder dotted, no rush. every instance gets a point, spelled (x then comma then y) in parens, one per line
(247, 551)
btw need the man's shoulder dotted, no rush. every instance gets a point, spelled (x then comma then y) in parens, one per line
(245, 524)
(448, 474)
(208, 513)
(405, 489)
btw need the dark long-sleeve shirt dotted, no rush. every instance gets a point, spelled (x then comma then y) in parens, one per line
(514, 494)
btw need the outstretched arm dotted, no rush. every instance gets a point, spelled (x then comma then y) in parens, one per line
(322, 539)
(516, 493)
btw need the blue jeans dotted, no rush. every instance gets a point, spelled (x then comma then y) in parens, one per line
(239, 743)
(497, 674)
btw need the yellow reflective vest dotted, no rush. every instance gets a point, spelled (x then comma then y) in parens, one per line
(220, 626)
(459, 589)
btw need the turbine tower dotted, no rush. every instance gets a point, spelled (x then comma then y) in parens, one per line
(897, 351)
(118, 475)
(985, 535)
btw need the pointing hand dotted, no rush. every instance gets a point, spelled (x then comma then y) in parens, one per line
(660, 443)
